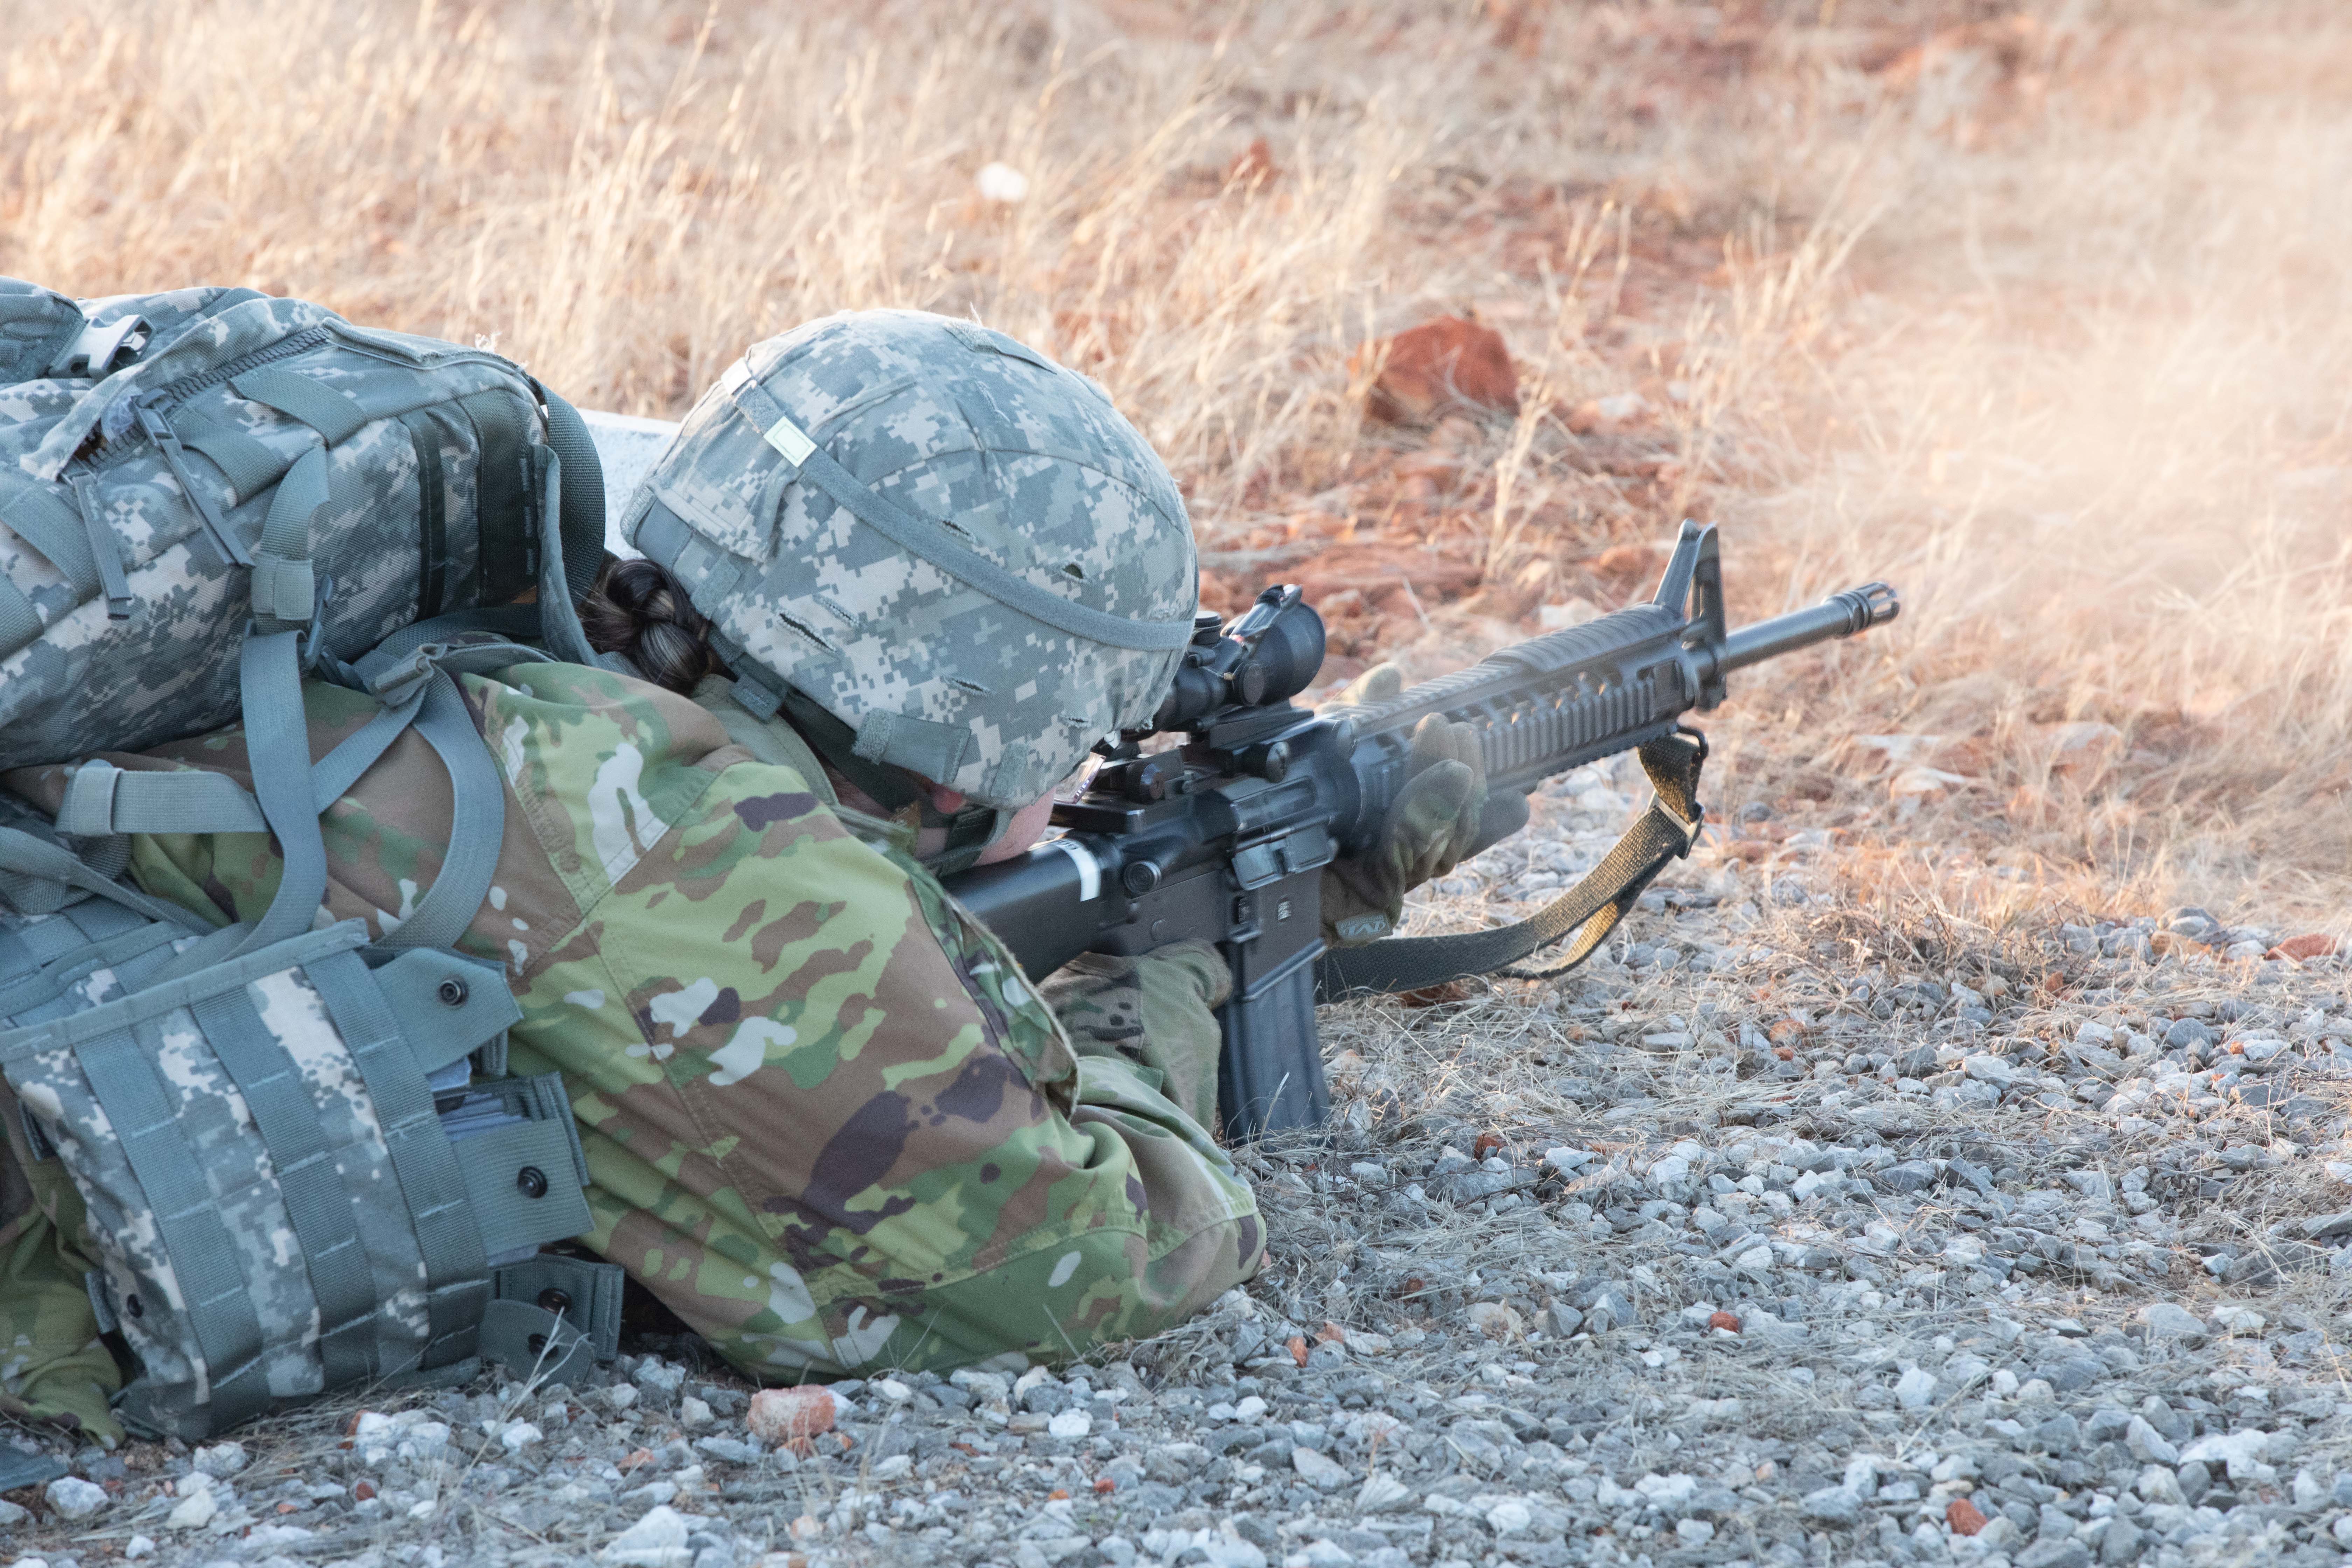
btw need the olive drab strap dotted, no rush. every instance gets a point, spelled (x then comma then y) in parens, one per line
(1589, 910)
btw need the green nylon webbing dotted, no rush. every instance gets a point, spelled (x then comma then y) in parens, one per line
(341, 1280)
(101, 799)
(580, 494)
(502, 556)
(284, 588)
(175, 456)
(583, 1292)
(336, 418)
(31, 867)
(1591, 908)
(432, 513)
(20, 992)
(456, 1269)
(204, 1260)
(104, 548)
(47, 523)
(20, 623)
(217, 973)
(277, 750)
(247, 465)
(508, 1214)
(477, 827)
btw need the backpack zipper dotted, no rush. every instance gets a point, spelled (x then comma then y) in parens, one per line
(178, 392)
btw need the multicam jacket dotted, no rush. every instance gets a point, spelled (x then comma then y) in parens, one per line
(827, 1122)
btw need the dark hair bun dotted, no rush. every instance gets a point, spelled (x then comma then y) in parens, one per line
(638, 609)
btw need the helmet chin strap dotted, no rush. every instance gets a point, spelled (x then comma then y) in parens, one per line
(969, 830)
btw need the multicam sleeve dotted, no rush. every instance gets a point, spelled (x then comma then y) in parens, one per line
(54, 1369)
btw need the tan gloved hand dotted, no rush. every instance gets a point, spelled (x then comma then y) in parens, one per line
(1430, 826)
(1157, 1009)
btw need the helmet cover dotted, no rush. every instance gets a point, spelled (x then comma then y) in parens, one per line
(950, 544)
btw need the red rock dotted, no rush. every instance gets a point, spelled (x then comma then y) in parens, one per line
(1629, 567)
(1486, 1143)
(1965, 1517)
(2312, 945)
(790, 1415)
(1729, 1321)
(1297, 1348)
(1435, 369)
(1254, 165)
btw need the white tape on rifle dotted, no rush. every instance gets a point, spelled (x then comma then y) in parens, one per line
(1090, 869)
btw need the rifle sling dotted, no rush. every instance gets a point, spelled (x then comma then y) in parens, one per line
(1590, 910)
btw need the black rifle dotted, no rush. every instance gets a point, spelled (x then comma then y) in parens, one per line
(1226, 835)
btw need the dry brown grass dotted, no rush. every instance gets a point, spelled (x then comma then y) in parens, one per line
(2044, 320)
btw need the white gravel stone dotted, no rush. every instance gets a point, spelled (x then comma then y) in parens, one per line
(192, 1512)
(221, 1459)
(1318, 1469)
(1070, 1424)
(2147, 1442)
(73, 1498)
(1916, 1389)
(657, 1541)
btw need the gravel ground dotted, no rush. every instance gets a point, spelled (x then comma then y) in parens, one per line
(1777, 1235)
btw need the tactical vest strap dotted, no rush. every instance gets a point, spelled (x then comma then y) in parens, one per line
(585, 1293)
(287, 1120)
(455, 1267)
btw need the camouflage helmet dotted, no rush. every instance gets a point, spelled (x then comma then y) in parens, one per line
(954, 547)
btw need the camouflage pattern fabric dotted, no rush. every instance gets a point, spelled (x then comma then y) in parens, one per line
(54, 1369)
(1156, 1010)
(425, 456)
(826, 1120)
(995, 451)
(1430, 826)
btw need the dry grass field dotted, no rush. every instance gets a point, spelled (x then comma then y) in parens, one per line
(2039, 313)
(2042, 311)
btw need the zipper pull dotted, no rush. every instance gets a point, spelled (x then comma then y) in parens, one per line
(176, 457)
(104, 548)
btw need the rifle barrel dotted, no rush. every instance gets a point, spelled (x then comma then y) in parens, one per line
(1838, 615)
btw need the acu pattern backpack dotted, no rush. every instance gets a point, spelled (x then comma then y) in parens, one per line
(301, 1162)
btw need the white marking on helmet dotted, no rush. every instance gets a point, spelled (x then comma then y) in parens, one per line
(791, 440)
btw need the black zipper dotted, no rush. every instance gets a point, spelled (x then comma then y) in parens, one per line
(172, 393)
(178, 392)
